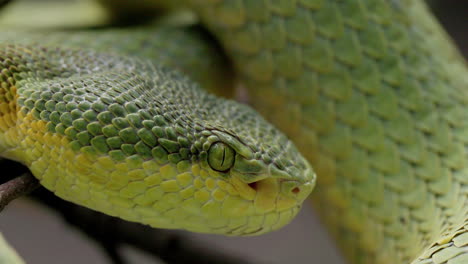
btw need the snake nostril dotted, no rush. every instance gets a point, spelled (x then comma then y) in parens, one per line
(296, 190)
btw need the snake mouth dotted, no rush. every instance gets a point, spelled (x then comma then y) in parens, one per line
(295, 190)
(253, 185)
(256, 179)
(273, 194)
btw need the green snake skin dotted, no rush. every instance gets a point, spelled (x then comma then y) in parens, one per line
(125, 137)
(372, 92)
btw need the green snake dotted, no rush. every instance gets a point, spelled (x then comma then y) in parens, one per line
(371, 92)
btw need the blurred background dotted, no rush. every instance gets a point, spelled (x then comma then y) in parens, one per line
(41, 236)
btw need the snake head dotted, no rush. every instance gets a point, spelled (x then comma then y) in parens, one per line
(145, 144)
(235, 174)
(261, 178)
(267, 185)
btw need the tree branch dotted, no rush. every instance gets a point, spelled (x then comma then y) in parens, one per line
(16, 187)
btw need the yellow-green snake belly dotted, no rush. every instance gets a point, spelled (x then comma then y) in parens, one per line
(372, 93)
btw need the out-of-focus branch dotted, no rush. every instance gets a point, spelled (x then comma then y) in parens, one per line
(8, 253)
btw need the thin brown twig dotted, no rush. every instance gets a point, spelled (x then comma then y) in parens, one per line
(16, 187)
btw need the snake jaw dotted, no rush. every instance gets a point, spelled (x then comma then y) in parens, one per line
(269, 187)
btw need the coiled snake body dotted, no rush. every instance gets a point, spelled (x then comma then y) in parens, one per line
(371, 92)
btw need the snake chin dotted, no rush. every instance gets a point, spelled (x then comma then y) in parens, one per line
(283, 218)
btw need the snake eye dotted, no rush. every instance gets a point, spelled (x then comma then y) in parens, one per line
(220, 156)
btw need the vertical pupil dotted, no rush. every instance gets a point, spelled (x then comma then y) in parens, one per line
(224, 155)
(220, 156)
